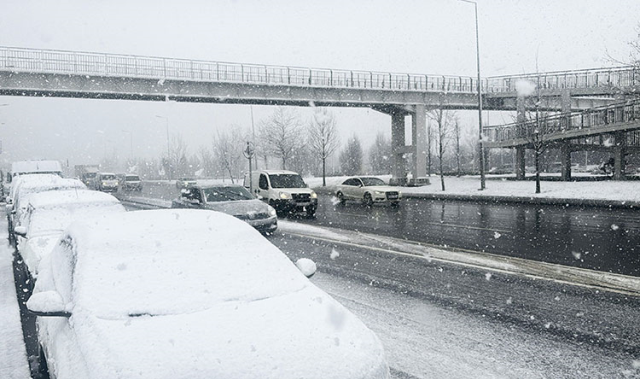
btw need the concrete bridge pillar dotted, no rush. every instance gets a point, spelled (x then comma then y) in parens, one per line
(618, 155)
(419, 140)
(565, 159)
(520, 162)
(565, 149)
(399, 176)
(521, 116)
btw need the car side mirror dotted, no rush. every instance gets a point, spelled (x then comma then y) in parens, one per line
(47, 304)
(20, 231)
(307, 267)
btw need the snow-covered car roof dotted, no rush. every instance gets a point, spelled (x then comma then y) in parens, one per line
(35, 166)
(279, 172)
(79, 196)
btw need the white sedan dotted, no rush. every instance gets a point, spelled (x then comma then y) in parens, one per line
(180, 293)
(368, 190)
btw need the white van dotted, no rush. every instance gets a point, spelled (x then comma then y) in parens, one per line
(283, 190)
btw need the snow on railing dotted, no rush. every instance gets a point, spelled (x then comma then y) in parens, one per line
(623, 76)
(81, 63)
(619, 113)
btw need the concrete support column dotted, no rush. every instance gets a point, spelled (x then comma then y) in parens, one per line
(618, 155)
(565, 159)
(565, 149)
(521, 116)
(520, 163)
(397, 148)
(419, 129)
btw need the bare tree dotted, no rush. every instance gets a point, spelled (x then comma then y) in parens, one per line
(323, 137)
(457, 136)
(175, 163)
(207, 162)
(351, 157)
(380, 155)
(227, 150)
(444, 120)
(281, 134)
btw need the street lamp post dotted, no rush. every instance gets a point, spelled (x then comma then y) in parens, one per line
(479, 85)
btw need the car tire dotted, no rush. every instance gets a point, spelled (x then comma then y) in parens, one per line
(367, 199)
(311, 213)
(341, 198)
(42, 370)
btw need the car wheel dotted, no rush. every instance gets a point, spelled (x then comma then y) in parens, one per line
(367, 200)
(341, 198)
(43, 369)
(311, 213)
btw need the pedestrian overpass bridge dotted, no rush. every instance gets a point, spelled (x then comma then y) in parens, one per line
(53, 73)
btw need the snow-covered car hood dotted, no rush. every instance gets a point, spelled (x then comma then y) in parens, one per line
(302, 334)
(239, 207)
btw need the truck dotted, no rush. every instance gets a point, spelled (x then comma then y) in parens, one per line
(87, 174)
(35, 167)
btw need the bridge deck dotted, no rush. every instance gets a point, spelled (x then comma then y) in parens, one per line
(619, 117)
(30, 72)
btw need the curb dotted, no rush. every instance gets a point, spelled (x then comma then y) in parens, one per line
(528, 200)
(628, 285)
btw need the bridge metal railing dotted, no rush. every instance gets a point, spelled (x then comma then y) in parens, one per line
(546, 126)
(617, 77)
(81, 63)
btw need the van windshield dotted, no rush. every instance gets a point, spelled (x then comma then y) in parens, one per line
(286, 181)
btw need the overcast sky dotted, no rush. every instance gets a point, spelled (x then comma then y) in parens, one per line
(422, 36)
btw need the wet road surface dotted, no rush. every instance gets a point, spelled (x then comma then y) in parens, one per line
(603, 239)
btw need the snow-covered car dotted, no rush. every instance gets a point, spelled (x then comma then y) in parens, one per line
(368, 190)
(31, 184)
(181, 293)
(231, 199)
(49, 213)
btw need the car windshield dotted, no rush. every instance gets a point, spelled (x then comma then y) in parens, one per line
(56, 218)
(372, 182)
(132, 178)
(108, 177)
(286, 181)
(214, 194)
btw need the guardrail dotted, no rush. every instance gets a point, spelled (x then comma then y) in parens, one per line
(594, 118)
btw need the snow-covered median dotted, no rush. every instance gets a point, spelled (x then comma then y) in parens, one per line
(499, 263)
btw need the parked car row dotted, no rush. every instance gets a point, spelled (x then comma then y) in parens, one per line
(123, 294)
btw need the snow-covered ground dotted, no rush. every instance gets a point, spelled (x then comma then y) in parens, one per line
(13, 355)
(496, 186)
